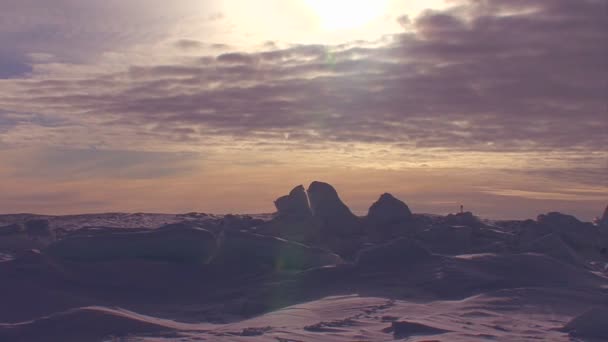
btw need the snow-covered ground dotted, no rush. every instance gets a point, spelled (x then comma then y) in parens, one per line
(311, 272)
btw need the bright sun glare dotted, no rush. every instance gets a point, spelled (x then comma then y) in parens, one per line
(347, 14)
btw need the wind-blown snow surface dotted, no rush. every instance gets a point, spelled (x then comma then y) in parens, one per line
(197, 277)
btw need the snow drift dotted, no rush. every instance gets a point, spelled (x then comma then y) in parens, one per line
(313, 271)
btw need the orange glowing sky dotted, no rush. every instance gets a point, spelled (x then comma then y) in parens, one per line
(222, 106)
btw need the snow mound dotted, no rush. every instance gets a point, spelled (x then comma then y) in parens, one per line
(39, 228)
(191, 245)
(553, 246)
(248, 251)
(12, 229)
(449, 240)
(591, 324)
(392, 255)
(556, 219)
(528, 270)
(85, 324)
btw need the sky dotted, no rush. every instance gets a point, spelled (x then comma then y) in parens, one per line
(221, 106)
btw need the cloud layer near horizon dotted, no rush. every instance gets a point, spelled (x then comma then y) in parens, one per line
(492, 84)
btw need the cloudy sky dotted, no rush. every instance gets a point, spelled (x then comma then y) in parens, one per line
(223, 105)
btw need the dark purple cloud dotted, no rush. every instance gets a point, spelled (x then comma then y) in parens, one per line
(74, 31)
(483, 76)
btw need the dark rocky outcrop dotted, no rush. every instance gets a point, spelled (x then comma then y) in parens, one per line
(327, 207)
(294, 205)
(316, 217)
(388, 210)
(294, 220)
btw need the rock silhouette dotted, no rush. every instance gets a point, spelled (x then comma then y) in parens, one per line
(327, 207)
(388, 210)
(294, 205)
(293, 220)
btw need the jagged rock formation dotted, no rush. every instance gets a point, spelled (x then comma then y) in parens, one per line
(316, 217)
(294, 205)
(294, 220)
(388, 210)
(327, 207)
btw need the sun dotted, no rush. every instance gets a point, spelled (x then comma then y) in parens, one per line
(347, 14)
